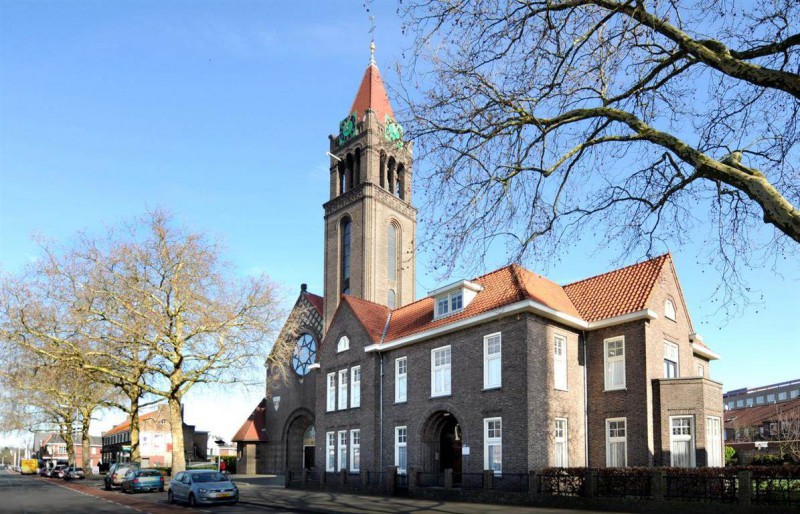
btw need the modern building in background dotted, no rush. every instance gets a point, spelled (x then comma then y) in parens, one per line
(764, 395)
(507, 371)
(155, 440)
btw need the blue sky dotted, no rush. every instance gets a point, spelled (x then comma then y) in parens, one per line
(220, 112)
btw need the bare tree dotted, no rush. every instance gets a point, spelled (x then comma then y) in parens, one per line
(787, 430)
(161, 311)
(545, 120)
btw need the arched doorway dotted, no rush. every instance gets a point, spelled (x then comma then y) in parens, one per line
(300, 443)
(441, 441)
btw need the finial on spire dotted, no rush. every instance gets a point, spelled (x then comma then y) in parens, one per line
(372, 41)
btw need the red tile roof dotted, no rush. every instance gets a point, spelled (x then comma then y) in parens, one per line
(252, 430)
(316, 302)
(760, 414)
(127, 425)
(617, 292)
(372, 95)
(371, 315)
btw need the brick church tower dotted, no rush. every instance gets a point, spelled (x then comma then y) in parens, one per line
(369, 220)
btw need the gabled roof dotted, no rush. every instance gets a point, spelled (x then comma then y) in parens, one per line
(122, 427)
(253, 430)
(617, 292)
(315, 301)
(372, 95)
(760, 414)
(372, 316)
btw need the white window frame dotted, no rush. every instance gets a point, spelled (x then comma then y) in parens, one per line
(331, 405)
(669, 348)
(355, 386)
(444, 304)
(608, 385)
(446, 369)
(781, 396)
(343, 344)
(563, 440)
(699, 369)
(670, 311)
(400, 380)
(330, 452)
(442, 301)
(400, 444)
(616, 439)
(355, 451)
(560, 363)
(343, 389)
(490, 441)
(714, 453)
(488, 359)
(342, 450)
(680, 438)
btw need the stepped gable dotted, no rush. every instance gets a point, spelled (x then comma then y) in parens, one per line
(252, 430)
(617, 292)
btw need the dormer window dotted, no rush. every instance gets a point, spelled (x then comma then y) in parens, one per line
(343, 344)
(454, 297)
(669, 310)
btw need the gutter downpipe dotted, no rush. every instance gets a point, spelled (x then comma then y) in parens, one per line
(380, 387)
(585, 403)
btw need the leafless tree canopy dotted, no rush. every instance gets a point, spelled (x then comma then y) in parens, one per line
(642, 121)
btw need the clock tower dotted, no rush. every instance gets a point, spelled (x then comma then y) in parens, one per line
(369, 220)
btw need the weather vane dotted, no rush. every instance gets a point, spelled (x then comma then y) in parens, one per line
(372, 41)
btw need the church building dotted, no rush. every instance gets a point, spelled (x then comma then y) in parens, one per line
(508, 371)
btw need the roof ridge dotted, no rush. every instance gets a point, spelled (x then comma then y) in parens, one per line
(618, 269)
(522, 291)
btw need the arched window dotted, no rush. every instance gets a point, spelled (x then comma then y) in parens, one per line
(669, 310)
(390, 301)
(345, 245)
(357, 168)
(349, 166)
(305, 354)
(383, 170)
(391, 258)
(342, 184)
(398, 188)
(390, 174)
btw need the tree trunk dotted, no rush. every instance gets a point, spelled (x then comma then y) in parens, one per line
(133, 396)
(176, 426)
(66, 434)
(86, 446)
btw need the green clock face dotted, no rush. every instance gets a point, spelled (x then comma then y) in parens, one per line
(347, 128)
(393, 132)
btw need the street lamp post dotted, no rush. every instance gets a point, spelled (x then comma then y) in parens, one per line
(219, 443)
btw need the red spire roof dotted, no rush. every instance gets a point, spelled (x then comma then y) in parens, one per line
(372, 95)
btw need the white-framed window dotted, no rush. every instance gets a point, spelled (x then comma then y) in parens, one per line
(615, 363)
(669, 310)
(449, 303)
(401, 449)
(740, 403)
(331, 406)
(401, 379)
(616, 442)
(343, 344)
(493, 444)
(699, 369)
(330, 452)
(759, 400)
(782, 395)
(442, 306)
(770, 397)
(440, 371)
(561, 443)
(681, 429)
(795, 393)
(714, 442)
(355, 386)
(560, 362)
(342, 389)
(355, 451)
(671, 360)
(492, 361)
(456, 301)
(342, 450)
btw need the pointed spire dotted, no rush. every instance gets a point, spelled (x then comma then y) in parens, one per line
(372, 93)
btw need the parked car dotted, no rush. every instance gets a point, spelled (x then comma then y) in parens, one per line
(44, 472)
(202, 486)
(57, 472)
(142, 480)
(74, 473)
(116, 473)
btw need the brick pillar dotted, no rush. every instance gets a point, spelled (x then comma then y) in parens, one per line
(342, 476)
(448, 479)
(413, 478)
(590, 483)
(488, 479)
(391, 480)
(744, 489)
(533, 484)
(658, 484)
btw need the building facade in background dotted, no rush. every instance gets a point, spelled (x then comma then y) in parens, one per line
(508, 371)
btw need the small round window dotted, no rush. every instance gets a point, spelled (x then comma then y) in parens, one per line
(305, 354)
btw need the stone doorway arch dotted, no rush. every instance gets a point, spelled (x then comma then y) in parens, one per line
(442, 444)
(299, 448)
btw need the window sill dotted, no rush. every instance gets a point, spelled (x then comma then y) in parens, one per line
(493, 388)
(447, 395)
(401, 402)
(566, 389)
(615, 389)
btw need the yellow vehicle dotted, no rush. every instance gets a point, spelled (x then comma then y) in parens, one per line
(29, 466)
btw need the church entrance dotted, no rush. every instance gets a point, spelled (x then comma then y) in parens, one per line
(441, 439)
(300, 444)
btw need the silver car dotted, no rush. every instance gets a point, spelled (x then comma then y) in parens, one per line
(202, 486)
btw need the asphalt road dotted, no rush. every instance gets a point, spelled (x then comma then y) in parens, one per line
(33, 495)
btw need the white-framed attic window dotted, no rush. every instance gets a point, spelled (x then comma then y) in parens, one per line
(669, 309)
(343, 344)
(453, 298)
